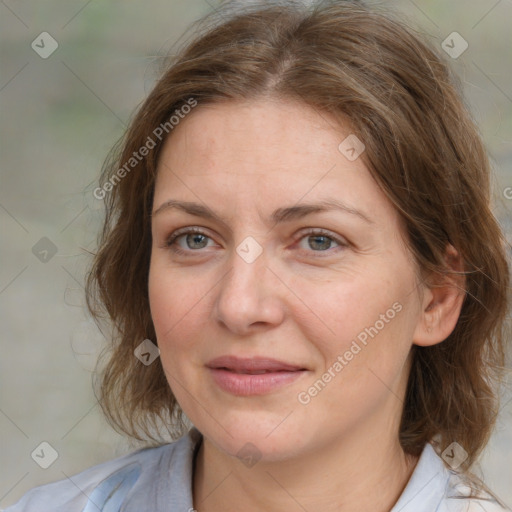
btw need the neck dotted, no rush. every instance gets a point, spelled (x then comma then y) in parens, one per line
(348, 474)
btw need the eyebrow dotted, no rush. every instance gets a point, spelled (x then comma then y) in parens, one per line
(278, 216)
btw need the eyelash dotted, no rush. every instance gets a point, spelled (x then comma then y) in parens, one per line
(171, 241)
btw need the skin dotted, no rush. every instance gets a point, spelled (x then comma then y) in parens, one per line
(303, 300)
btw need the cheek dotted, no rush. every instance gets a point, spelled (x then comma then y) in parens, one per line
(179, 309)
(343, 310)
(176, 312)
(362, 328)
(170, 294)
(363, 362)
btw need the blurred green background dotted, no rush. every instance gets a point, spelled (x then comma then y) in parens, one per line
(60, 116)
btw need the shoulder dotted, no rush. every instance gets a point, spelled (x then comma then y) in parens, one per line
(464, 495)
(434, 487)
(72, 493)
(136, 474)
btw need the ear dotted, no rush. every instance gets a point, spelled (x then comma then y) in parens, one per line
(442, 303)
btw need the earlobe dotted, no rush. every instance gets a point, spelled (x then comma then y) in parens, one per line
(442, 303)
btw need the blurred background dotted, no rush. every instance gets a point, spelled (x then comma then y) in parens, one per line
(71, 75)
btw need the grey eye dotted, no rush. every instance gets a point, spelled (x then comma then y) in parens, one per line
(320, 242)
(196, 238)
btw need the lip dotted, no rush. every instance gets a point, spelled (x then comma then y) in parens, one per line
(252, 364)
(232, 375)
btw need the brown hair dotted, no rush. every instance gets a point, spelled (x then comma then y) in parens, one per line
(422, 148)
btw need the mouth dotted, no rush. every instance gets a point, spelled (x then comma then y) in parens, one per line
(253, 376)
(253, 365)
(249, 372)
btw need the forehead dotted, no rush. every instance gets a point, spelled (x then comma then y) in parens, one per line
(263, 151)
(283, 130)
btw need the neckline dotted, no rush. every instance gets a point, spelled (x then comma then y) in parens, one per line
(426, 484)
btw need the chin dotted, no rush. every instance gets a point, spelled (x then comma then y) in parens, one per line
(261, 436)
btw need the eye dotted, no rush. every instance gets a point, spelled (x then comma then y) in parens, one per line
(320, 240)
(194, 238)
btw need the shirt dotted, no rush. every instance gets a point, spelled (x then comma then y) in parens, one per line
(160, 480)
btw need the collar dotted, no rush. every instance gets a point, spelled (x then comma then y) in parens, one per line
(425, 489)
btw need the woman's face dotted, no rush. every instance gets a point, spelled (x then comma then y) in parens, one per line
(328, 292)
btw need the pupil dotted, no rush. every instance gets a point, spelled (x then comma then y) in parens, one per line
(194, 238)
(327, 240)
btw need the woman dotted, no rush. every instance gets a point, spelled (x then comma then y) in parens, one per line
(299, 257)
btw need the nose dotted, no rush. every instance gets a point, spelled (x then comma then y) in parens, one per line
(250, 297)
